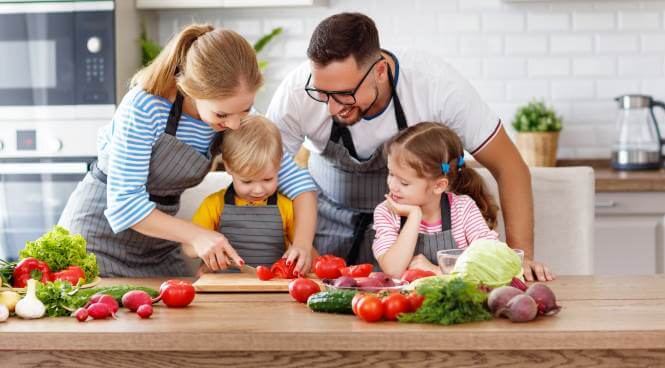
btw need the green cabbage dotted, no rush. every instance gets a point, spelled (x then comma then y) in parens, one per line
(488, 262)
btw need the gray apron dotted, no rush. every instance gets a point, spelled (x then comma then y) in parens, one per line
(349, 190)
(429, 244)
(174, 167)
(255, 232)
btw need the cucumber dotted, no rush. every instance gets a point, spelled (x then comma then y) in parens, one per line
(332, 301)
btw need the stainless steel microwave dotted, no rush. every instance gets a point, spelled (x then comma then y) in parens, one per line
(57, 53)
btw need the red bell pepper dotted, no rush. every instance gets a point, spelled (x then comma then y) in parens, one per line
(31, 268)
(361, 270)
(72, 274)
(415, 274)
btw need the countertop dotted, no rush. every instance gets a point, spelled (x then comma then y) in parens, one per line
(609, 320)
(610, 180)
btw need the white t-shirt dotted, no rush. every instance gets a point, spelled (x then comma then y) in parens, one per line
(428, 88)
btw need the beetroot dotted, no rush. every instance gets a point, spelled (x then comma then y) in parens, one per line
(132, 300)
(345, 281)
(544, 298)
(499, 297)
(369, 283)
(518, 283)
(99, 311)
(520, 308)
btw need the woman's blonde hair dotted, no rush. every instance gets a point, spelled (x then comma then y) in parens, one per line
(426, 146)
(252, 148)
(204, 63)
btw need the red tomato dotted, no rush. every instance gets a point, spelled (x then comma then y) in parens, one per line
(354, 302)
(415, 274)
(327, 270)
(301, 288)
(361, 270)
(370, 308)
(415, 300)
(176, 293)
(280, 270)
(340, 262)
(394, 304)
(264, 273)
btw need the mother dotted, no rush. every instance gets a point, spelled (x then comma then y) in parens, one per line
(157, 146)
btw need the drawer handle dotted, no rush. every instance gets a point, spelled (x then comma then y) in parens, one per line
(606, 204)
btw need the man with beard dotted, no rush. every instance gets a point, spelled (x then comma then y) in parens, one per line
(351, 97)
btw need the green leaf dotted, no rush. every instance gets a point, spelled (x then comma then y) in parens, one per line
(263, 41)
(536, 117)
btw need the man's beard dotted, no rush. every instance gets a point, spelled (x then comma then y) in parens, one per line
(355, 114)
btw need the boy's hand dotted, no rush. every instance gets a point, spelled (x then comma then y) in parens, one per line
(302, 255)
(422, 263)
(405, 210)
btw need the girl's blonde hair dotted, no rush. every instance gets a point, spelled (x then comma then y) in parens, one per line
(426, 146)
(204, 63)
(253, 147)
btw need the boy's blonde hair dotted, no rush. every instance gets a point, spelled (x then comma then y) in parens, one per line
(204, 63)
(253, 147)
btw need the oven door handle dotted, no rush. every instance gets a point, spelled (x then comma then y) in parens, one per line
(32, 168)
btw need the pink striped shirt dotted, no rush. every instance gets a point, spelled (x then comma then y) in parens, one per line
(466, 220)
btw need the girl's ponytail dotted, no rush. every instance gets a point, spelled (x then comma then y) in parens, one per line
(466, 180)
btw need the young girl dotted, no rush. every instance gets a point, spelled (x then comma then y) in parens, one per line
(257, 221)
(433, 202)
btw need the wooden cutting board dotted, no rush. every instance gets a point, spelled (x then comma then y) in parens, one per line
(241, 282)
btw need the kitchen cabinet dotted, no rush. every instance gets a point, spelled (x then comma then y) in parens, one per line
(629, 233)
(193, 4)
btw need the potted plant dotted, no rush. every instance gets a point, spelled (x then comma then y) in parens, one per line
(537, 128)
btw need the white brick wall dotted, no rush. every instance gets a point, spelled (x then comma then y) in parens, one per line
(576, 54)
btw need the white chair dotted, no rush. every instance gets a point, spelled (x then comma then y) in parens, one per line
(564, 216)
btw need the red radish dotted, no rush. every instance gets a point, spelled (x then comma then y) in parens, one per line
(132, 300)
(144, 311)
(99, 311)
(499, 297)
(81, 314)
(110, 301)
(545, 298)
(521, 308)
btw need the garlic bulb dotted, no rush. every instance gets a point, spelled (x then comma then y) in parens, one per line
(30, 307)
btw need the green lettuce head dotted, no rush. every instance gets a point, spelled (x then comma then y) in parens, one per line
(488, 262)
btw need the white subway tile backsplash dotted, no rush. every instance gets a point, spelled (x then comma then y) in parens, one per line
(480, 45)
(577, 55)
(524, 91)
(594, 21)
(610, 88)
(503, 23)
(572, 89)
(571, 44)
(526, 44)
(549, 67)
(640, 66)
(617, 43)
(505, 68)
(594, 66)
(632, 21)
(548, 22)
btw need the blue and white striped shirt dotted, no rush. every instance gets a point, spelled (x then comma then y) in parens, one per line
(126, 145)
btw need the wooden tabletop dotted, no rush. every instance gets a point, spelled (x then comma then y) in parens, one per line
(598, 313)
(610, 180)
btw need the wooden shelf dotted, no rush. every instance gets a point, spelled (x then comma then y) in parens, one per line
(196, 4)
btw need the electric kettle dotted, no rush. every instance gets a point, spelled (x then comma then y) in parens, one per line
(638, 144)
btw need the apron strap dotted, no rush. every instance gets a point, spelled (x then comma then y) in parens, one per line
(230, 197)
(364, 220)
(174, 114)
(446, 223)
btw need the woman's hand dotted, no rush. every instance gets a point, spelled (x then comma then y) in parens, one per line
(215, 251)
(302, 255)
(422, 263)
(399, 209)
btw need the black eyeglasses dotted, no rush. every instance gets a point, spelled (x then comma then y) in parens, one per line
(342, 97)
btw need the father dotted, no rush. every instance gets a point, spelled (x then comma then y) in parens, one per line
(351, 97)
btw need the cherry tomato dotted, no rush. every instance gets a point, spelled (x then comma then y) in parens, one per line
(370, 308)
(264, 273)
(393, 305)
(415, 274)
(354, 302)
(301, 288)
(176, 293)
(415, 300)
(361, 270)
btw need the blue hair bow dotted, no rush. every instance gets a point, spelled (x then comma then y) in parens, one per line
(445, 167)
